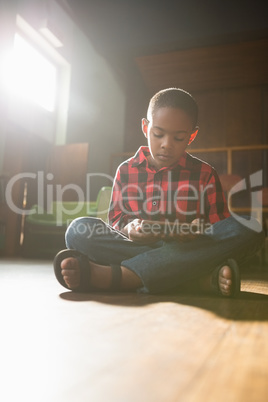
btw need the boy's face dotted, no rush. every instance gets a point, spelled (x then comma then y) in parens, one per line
(168, 133)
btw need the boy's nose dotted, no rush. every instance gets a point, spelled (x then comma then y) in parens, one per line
(167, 142)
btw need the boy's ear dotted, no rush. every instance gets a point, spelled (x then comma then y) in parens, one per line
(144, 126)
(193, 135)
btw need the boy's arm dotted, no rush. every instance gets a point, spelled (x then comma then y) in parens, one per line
(216, 208)
(122, 218)
(119, 215)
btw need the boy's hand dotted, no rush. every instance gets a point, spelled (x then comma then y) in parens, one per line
(134, 233)
(185, 237)
(197, 223)
(191, 235)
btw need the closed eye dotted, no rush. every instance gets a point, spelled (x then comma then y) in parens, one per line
(158, 135)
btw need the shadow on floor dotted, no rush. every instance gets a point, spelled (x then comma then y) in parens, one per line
(249, 306)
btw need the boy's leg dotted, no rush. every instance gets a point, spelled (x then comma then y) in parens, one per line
(101, 243)
(175, 263)
(104, 246)
(163, 268)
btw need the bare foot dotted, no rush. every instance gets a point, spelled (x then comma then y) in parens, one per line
(70, 272)
(100, 275)
(224, 281)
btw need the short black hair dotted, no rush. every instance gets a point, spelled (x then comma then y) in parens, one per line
(174, 98)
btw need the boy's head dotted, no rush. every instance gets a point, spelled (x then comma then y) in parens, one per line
(170, 125)
(174, 98)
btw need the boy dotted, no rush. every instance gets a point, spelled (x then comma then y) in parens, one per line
(164, 183)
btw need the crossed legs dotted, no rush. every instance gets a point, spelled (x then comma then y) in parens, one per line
(159, 267)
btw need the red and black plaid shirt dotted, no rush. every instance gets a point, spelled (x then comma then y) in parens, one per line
(188, 190)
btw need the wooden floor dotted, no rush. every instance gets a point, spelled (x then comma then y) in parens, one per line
(63, 347)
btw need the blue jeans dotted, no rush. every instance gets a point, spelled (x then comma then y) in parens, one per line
(165, 265)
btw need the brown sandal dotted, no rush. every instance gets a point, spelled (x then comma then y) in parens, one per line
(85, 277)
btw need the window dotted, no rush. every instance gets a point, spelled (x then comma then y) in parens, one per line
(30, 75)
(36, 77)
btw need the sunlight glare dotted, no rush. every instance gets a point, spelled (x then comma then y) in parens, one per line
(30, 76)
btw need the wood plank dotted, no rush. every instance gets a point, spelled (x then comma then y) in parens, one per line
(210, 121)
(243, 118)
(224, 66)
(60, 346)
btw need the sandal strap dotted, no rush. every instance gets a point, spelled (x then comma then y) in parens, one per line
(215, 289)
(116, 278)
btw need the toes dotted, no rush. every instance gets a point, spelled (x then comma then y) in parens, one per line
(69, 263)
(225, 280)
(226, 272)
(225, 290)
(70, 272)
(70, 283)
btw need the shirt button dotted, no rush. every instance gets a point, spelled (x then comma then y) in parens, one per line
(154, 202)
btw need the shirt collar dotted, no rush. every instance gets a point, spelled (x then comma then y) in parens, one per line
(141, 157)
